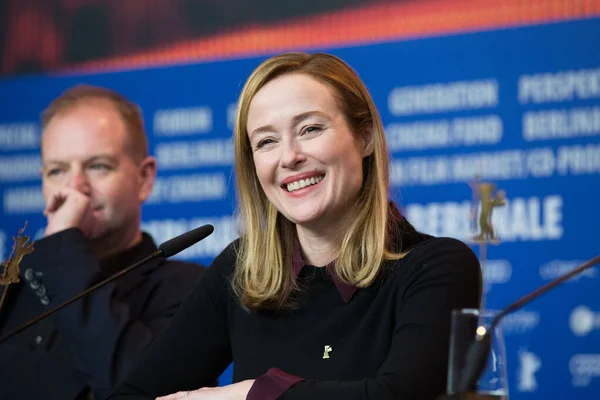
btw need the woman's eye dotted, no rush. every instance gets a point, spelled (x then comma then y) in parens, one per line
(264, 142)
(312, 129)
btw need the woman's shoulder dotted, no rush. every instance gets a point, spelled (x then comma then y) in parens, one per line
(438, 266)
(418, 247)
(226, 260)
(439, 256)
(432, 246)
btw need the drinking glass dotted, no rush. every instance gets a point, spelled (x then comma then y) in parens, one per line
(493, 382)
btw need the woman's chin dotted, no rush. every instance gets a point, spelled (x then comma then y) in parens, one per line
(306, 220)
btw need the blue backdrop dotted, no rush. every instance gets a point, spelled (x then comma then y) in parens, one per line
(521, 107)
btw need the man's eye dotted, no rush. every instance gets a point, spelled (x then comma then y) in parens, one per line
(100, 167)
(53, 172)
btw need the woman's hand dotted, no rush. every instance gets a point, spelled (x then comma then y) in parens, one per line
(235, 391)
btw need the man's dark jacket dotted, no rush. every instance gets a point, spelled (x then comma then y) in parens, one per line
(89, 345)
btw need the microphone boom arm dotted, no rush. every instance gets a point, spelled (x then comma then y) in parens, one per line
(166, 249)
(478, 352)
(80, 295)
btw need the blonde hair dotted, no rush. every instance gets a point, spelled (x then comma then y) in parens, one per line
(263, 277)
(129, 112)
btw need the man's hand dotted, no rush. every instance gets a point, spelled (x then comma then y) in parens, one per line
(69, 208)
(236, 391)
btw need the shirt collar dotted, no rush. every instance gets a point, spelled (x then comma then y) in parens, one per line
(298, 262)
(116, 262)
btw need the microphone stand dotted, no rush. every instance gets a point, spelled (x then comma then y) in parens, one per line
(166, 249)
(478, 352)
(111, 278)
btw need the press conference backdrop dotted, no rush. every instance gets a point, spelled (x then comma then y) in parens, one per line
(520, 106)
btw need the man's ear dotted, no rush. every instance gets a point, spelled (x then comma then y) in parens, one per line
(147, 177)
(367, 140)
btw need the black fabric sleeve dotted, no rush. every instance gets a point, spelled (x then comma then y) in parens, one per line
(24, 375)
(106, 340)
(195, 349)
(443, 275)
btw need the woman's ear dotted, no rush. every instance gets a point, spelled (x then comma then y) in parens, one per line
(367, 140)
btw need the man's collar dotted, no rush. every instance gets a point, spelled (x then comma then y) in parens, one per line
(116, 262)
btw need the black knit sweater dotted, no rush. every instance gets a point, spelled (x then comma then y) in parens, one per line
(390, 341)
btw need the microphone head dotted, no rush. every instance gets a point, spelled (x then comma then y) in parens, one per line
(185, 240)
(476, 360)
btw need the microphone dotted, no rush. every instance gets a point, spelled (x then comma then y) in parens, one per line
(185, 240)
(166, 249)
(478, 352)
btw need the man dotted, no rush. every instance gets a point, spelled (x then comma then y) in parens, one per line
(96, 173)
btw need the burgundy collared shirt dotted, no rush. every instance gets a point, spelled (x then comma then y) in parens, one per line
(346, 290)
(275, 382)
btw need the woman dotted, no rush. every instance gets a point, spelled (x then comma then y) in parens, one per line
(329, 293)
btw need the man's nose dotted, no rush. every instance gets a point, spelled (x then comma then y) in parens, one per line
(79, 181)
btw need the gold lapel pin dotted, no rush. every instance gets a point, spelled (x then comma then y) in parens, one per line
(326, 351)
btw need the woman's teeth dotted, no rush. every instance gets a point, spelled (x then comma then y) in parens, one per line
(302, 183)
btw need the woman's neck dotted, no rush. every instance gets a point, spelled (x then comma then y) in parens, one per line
(321, 246)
